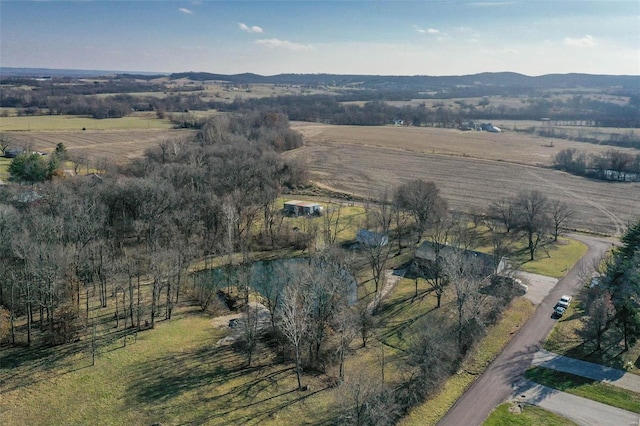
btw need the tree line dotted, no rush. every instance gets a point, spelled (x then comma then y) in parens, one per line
(611, 165)
(52, 97)
(611, 304)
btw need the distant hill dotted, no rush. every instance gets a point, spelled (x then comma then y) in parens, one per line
(500, 79)
(374, 82)
(53, 72)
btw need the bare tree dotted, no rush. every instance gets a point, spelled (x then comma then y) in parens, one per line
(423, 201)
(465, 273)
(294, 324)
(366, 401)
(400, 219)
(274, 279)
(561, 213)
(376, 246)
(504, 212)
(432, 356)
(345, 324)
(206, 285)
(5, 142)
(326, 287)
(500, 247)
(366, 324)
(533, 218)
(463, 234)
(250, 330)
(333, 223)
(432, 268)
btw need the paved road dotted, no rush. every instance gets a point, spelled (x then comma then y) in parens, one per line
(499, 380)
(580, 410)
(612, 376)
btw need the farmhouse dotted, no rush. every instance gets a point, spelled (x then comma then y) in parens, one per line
(429, 251)
(302, 208)
(371, 239)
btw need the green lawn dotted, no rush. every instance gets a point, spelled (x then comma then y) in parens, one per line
(176, 374)
(4, 168)
(555, 259)
(586, 388)
(72, 122)
(530, 416)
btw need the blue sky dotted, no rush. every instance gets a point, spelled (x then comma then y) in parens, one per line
(340, 37)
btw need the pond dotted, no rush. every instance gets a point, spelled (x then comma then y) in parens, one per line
(266, 275)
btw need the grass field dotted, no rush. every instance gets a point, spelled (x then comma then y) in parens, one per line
(553, 260)
(364, 160)
(530, 416)
(117, 145)
(586, 388)
(178, 374)
(4, 168)
(174, 375)
(77, 123)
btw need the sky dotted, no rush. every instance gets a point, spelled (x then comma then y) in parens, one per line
(435, 37)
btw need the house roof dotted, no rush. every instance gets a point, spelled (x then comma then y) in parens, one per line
(300, 203)
(429, 249)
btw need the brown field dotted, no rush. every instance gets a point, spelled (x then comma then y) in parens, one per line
(497, 100)
(470, 168)
(508, 146)
(117, 145)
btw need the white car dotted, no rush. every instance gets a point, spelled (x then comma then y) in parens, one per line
(564, 301)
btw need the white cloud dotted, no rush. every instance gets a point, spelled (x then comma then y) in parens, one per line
(284, 44)
(185, 11)
(427, 31)
(586, 41)
(252, 29)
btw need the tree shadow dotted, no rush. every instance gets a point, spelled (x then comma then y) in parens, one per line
(225, 385)
(18, 365)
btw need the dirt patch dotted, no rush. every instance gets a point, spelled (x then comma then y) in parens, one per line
(235, 323)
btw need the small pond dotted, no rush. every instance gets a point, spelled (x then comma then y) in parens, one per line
(267, 274)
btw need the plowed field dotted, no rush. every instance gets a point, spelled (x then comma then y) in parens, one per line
(471, 171)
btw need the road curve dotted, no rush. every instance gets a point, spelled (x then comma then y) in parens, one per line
(497, 383)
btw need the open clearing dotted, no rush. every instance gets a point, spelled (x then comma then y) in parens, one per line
(141, 120)
(362, 160)
(118, 145)
(512, 147)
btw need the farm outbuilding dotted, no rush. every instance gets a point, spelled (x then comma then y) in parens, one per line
(302, 208)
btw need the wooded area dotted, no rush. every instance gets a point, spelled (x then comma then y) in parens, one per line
(102, 256)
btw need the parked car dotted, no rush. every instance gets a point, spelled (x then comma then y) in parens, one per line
(558, 312)
(564, 301)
